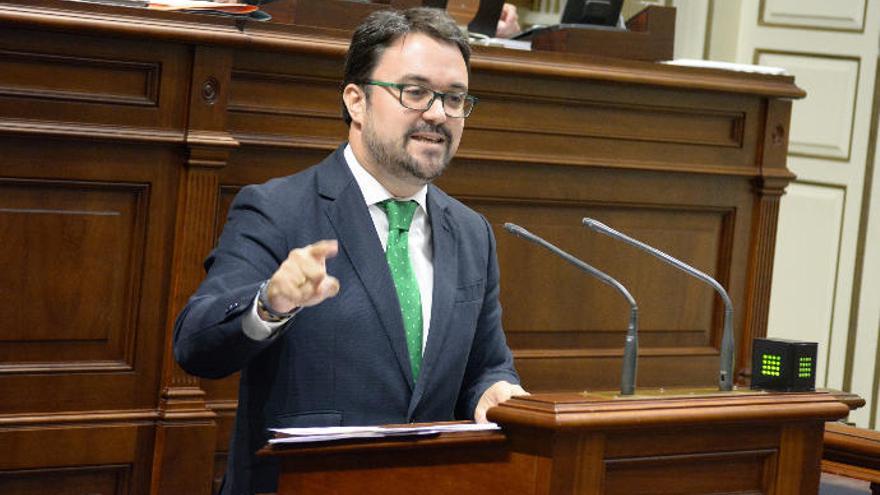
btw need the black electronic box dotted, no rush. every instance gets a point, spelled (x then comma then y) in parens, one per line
(784, 365)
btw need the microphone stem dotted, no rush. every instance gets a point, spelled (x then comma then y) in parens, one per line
(630, 348)
(630, 354)
(725, 379)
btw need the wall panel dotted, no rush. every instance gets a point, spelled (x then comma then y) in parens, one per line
(845, 15)
(127, 84)
(41, 460)
(811, 219)
(79, 245)
(822, 124)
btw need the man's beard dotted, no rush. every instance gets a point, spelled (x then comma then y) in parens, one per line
(396, 160)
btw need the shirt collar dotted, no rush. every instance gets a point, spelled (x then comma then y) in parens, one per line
(373, 191)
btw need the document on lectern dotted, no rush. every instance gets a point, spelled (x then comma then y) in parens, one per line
(332, 433)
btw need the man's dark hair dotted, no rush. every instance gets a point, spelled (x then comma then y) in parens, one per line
(382, 28)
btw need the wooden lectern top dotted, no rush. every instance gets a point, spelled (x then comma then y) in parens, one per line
(660, 443)
(598, 410)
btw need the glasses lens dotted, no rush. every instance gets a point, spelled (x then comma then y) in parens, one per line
(416, 97)
(454, 104)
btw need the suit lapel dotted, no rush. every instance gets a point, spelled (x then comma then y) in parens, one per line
(445, 280)
(351, 220)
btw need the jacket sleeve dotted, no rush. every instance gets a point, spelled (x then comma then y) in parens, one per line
(208, 337)
(490, 359)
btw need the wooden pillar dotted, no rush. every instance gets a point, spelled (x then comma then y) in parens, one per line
(186, 431)
(769, 188)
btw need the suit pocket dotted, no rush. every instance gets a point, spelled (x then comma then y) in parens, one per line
(469, 292)
(311, 418)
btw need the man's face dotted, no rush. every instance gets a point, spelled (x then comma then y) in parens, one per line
(410, 145)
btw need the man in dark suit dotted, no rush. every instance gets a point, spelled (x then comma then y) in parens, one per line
(355, 292)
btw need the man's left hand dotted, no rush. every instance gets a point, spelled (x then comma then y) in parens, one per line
(494, 395)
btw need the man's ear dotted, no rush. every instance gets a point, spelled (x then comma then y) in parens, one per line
(355, 100)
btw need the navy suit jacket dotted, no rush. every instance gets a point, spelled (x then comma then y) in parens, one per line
(344, 361)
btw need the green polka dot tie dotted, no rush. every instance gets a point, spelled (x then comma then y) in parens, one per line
(400, 215)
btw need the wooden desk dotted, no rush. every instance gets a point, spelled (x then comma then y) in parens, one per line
(741, 442)
(126, 133)
(852, 452)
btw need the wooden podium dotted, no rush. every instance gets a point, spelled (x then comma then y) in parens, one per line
(592, 443)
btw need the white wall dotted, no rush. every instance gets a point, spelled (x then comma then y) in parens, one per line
(826, 284)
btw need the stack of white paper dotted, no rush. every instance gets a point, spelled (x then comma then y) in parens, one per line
(326, 434)
(714, 64)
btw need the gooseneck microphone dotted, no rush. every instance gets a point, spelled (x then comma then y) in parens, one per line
(631, 347)
(725, 380)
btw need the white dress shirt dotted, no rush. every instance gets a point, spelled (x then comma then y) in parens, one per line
(421, 251)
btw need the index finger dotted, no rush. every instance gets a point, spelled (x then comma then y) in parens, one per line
(323, 249)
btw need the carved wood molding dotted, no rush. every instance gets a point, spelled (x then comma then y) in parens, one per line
(218, 141)
(78, 130)
(769, 188)
(223, 406)
(185, 420)
(465, 153)
(209, 145)
(193, 240)
(757, 304)
(55, 14)
(146, 96)
(181, 403)
(629, 72)
(601, 410)
(131, 415)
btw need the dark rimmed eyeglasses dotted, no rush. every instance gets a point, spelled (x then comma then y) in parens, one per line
(417, 97)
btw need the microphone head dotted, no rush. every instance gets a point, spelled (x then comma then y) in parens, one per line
(592, 224)
(515, 229)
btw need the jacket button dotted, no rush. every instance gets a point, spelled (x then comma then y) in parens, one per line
(231, 307)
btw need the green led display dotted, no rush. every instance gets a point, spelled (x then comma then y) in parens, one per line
(805, 367)
(771, 365)
(784, 365)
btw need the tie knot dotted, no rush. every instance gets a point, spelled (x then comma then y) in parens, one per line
(400, 213)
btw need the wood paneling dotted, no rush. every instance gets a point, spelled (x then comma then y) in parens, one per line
(586, 320)
(125, 83)
(107, 459)
(81, 246)
(100, 480)
(59, 446)
(126, 134)
(289, 102)
(80, 79)
(436, 466)
(87, 243)
(743, 472)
